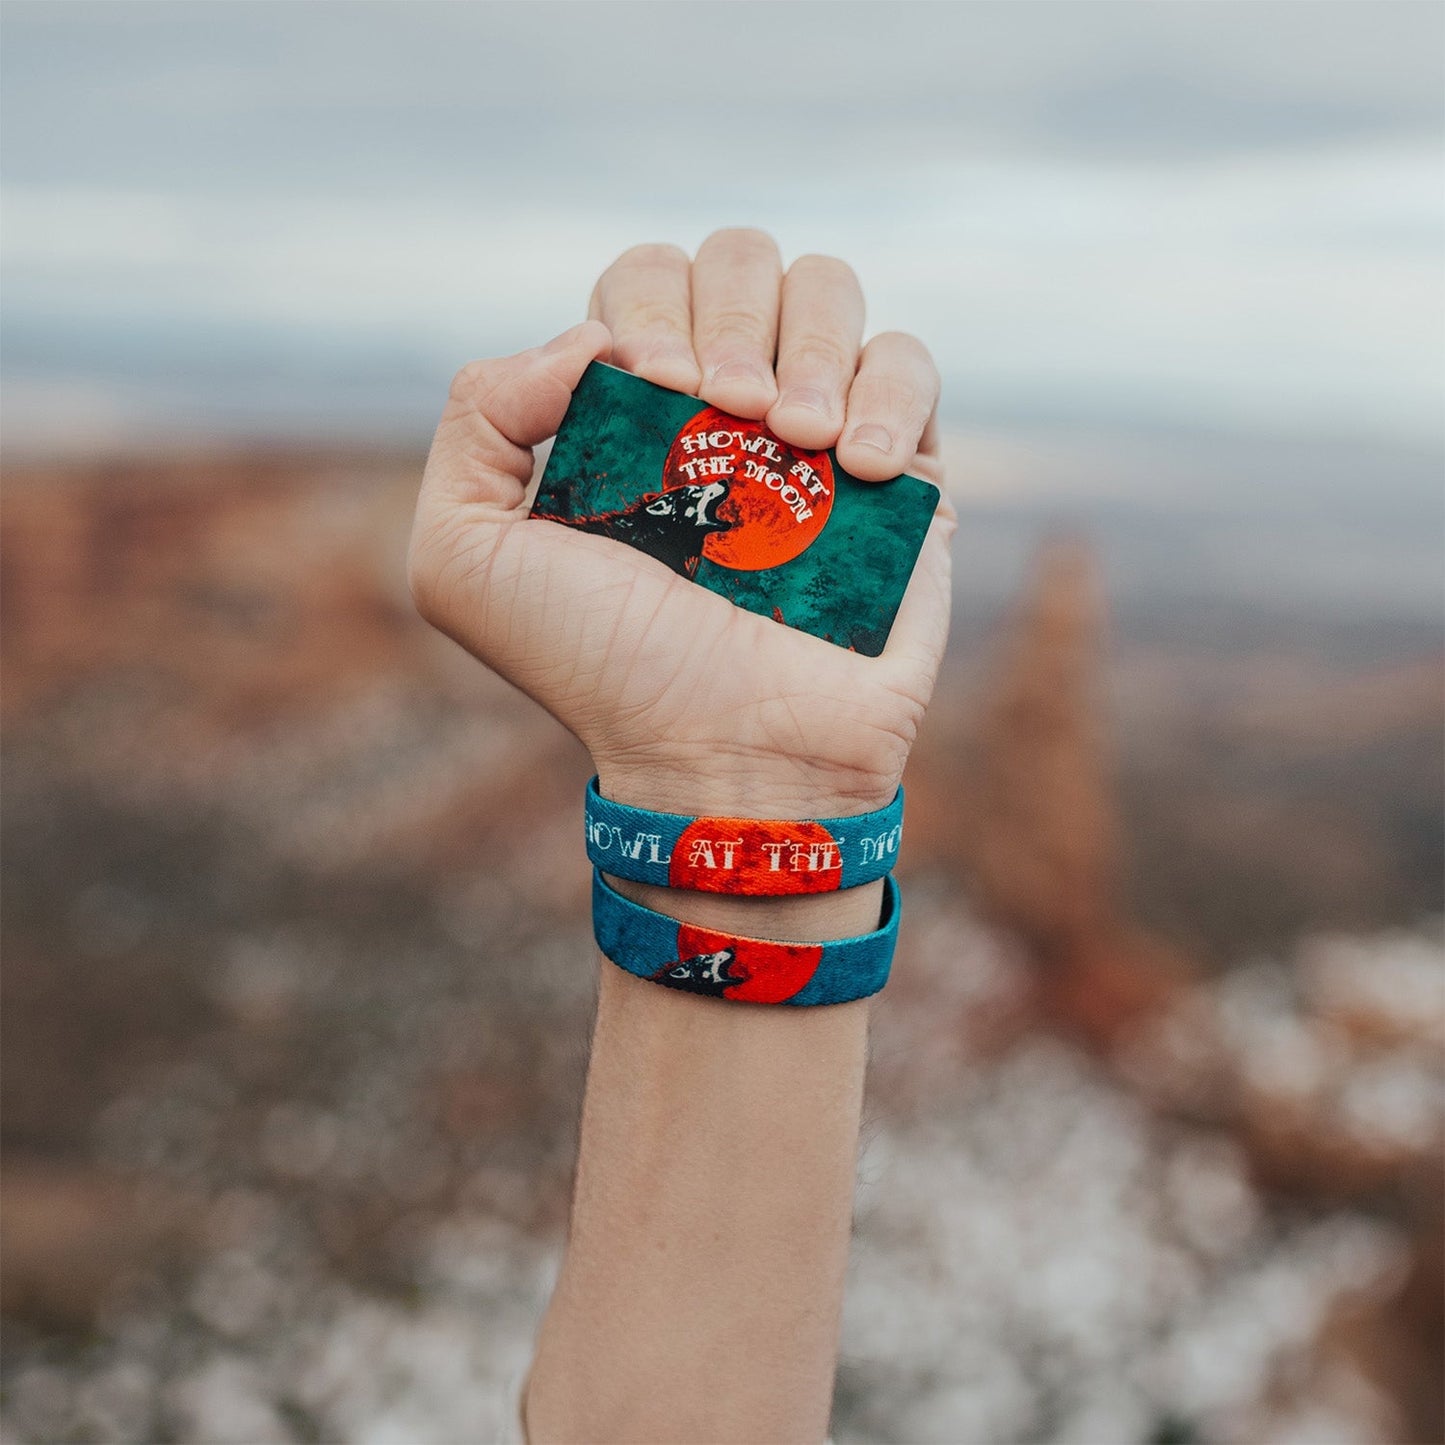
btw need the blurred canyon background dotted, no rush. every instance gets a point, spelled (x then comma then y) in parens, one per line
(297, 961)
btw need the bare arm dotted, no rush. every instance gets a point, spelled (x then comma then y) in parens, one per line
(701, 1290)
(703, 1282)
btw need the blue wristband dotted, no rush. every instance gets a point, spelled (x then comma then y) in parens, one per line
(702, 960)
(753, 856)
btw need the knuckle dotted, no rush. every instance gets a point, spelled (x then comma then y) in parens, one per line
(830, 271)
(925, 384)
(471, 383)
(889, 396)
(628, 351)
(734, 323)
(905, 347)
(743, 241)
(646, 316)
(651, 256)
(814, 355)
(896, 398)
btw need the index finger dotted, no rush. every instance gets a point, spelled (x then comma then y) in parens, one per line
(644, 298)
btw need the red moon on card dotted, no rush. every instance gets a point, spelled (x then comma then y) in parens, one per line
(779, 496)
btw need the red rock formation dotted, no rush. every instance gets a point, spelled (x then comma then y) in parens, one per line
(1040, 833)
(253, 582)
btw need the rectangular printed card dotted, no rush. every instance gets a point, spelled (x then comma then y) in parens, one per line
(780, 531)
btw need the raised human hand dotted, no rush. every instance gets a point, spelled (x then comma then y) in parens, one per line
(686, 702)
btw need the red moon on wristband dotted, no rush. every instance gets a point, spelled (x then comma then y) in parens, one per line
(691, 958)
(756, 856)
(765, 972)
(761, 857)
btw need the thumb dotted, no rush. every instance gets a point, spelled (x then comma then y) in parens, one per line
(498, 411)
(476, 477)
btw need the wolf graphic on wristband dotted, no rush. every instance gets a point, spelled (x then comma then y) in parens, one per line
(757, 857)
(700, 960)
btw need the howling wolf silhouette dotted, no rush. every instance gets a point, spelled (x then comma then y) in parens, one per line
(705, 973)
(670, 526)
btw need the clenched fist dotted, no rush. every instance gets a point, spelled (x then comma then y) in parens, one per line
(687, 703)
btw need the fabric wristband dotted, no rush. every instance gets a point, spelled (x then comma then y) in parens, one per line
(695, 959)
(754, 856)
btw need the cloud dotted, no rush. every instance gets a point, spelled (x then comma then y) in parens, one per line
(1264, 292)
(346, 98)
(1223, 216)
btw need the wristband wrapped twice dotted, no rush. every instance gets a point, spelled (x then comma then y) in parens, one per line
(695, 959)
(753, 856)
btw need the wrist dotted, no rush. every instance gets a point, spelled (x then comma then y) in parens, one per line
(737, 787)
(742, 787)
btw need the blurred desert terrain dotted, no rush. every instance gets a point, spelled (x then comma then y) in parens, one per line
(296, 995)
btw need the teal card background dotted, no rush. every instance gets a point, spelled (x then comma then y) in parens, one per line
(612, 448)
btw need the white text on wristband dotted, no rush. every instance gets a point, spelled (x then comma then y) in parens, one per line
(765, 857)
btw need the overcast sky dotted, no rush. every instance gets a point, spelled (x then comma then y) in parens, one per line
(1222, 217)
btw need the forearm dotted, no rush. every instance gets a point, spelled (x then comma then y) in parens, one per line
(701, 1291)
(700, 1294)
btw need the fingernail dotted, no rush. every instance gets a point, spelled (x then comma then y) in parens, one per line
(811, 398)
(740, 371)
(872, 435)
